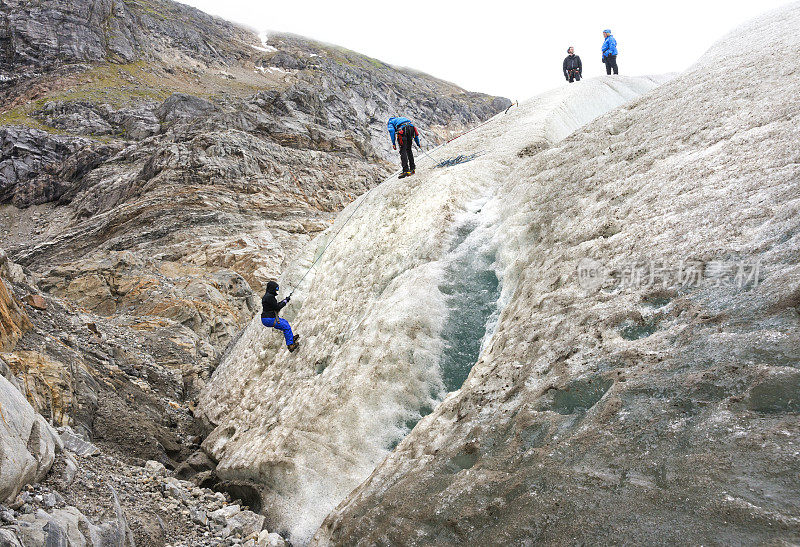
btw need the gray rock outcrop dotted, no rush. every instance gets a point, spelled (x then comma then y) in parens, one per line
(28, 444)
(43, 34)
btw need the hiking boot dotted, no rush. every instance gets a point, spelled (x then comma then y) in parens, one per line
(293, 346)
(412, 172)
(403, 175)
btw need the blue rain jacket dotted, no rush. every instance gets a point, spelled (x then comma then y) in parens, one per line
(609, 46)
(394, 124)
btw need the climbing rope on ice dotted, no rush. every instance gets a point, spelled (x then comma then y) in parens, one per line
(363, 198)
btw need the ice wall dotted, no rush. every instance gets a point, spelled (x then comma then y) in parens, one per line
(378, 317)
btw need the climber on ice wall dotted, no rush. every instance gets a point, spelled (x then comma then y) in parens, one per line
(269, 314)
(405, 132)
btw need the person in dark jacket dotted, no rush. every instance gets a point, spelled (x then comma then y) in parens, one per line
(610, 52)
(572, 66)
(405, 132)
(269, 315)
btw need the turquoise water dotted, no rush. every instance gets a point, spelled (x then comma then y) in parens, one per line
(472, 290)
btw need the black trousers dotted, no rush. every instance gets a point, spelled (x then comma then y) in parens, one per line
(574, 75)
(611, 63)
(406, 153)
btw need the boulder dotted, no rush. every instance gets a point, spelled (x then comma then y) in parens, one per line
(155, 468)
(244, 524)
(221, 516)
(70, 469)
(75, 443)
(68, 527)
(199, 516)
(28, 444)
(270, 539)
(9, 538)
(174, 489)
(35, 301)
(198, 462)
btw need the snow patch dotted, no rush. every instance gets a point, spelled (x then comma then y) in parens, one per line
(273, 70)
(265, 47)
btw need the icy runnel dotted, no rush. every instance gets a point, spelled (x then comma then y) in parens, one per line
(471, 290)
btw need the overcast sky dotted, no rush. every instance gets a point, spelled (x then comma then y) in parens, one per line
(514, 49)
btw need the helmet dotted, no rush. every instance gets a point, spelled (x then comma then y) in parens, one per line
(272, 288)
(607, 31)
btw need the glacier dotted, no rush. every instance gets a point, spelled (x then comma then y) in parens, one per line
(627, 406)
(393, 315)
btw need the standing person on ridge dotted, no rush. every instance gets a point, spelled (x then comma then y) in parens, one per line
(610, 52)
(405, 132)
(269, 315)
(572, 66)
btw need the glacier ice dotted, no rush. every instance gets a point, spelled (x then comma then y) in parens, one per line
(384, 315)
(628, 415)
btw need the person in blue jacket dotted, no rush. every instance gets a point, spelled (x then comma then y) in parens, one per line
(404, 130)
(610, 52)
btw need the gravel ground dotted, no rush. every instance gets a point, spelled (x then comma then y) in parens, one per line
(157, 509)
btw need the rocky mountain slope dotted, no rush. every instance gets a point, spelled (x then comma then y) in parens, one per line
(606, 327)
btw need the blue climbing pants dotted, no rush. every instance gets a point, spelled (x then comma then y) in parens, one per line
(283, 325)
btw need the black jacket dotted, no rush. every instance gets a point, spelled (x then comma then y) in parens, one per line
(270, 306)
(572, 62)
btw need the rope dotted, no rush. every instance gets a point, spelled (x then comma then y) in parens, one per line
(481, 125)
(364, 197)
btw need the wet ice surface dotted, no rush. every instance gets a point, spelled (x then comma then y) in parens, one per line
(450, 162)
(392, 317)
(471, 290)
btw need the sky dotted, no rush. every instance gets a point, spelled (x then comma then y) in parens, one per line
(510, 48)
